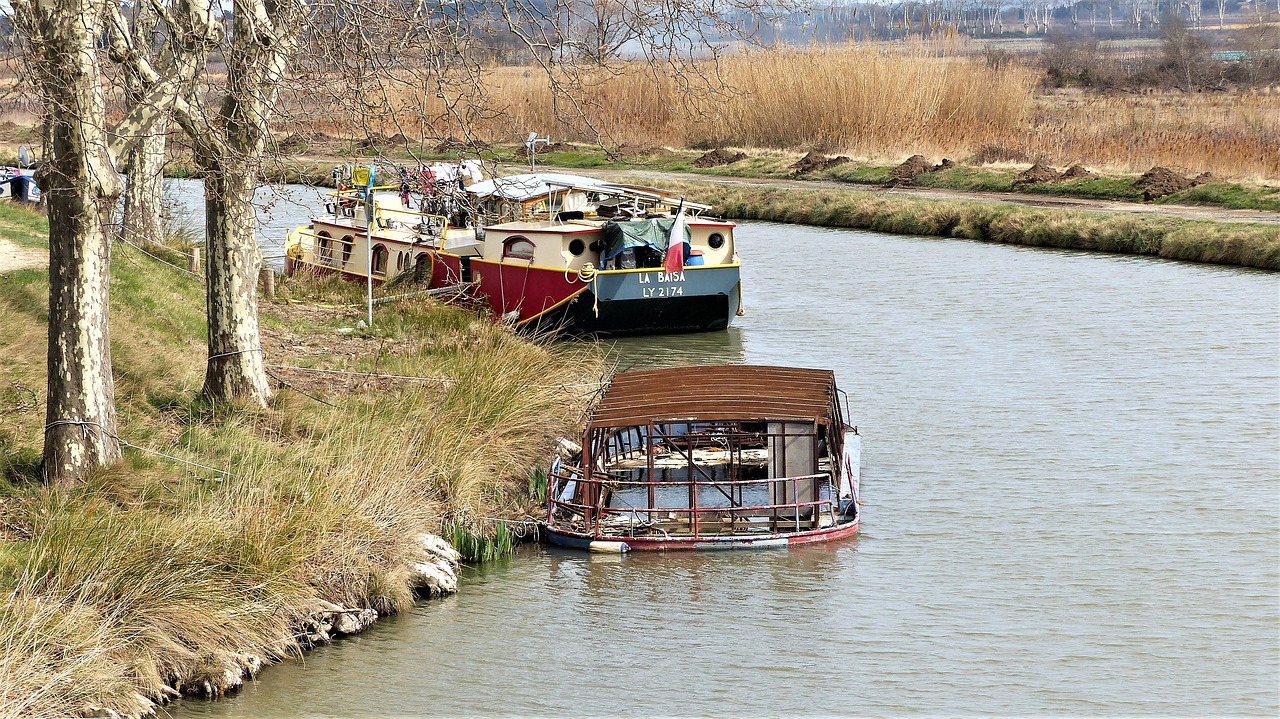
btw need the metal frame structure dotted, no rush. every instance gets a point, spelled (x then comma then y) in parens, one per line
(716, 476)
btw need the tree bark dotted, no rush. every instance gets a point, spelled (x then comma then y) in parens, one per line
(233, 261)
(144, 164)
(80, 414)
(144, 191)
(229, 148)
(80, 188)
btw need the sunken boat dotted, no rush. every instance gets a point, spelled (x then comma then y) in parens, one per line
(712, 457)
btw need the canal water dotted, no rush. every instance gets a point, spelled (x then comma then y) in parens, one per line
(1072, 507)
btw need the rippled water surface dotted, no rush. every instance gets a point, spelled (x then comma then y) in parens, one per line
(1072, 486)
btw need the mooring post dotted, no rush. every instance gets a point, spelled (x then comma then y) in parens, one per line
(269, 282)
(193, 261)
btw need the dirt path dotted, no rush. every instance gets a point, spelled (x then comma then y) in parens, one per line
(1187, 212)
(15, 257)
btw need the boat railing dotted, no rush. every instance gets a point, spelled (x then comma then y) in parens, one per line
(594, 515)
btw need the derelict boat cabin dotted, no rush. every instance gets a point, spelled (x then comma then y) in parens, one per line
(714, 457)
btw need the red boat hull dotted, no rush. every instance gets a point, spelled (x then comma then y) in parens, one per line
(527, 291)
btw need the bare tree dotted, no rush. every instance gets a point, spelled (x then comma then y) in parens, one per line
(144, 163)
(81, 187)
(229, 147)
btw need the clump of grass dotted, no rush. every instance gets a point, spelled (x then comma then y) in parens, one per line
(480, 545)
(158, 576)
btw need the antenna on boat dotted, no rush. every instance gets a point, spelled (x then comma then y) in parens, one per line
(532, 142)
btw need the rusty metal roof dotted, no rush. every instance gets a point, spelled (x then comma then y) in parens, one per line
(718, 392)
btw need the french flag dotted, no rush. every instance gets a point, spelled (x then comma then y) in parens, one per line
(676, 245)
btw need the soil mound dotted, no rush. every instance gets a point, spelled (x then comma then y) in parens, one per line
(1161, 181)
(1037, 174)
(1077, 172)
(294, 143)
(907, 172)
(1205, 178)
(816, 162)
(998, 153)
(719, 157)
(523, 151)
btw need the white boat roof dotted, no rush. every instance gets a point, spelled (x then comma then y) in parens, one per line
(530, 186)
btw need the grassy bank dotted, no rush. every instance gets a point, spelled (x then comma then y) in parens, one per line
(169, 572)
(1217, 243)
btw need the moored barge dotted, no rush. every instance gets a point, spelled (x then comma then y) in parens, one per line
(569, 254)
(714, 457)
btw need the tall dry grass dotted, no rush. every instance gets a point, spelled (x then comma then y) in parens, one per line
(1232, 134)
(156, 576)
(869, 101)
(866, 99)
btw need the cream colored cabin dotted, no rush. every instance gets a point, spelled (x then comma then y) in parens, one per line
(401, 238)
(573, 244)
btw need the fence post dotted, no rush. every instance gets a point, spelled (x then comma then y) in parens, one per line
(269, 282)
(193, 260)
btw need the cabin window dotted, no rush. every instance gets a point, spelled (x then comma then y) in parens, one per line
(400, 262)
(577, 247)
(347, 243)
(379, 260)
(519, 248)
(716, 240)
(421, 268)
(326, 248)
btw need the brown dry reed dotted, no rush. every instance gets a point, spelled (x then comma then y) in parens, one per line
(158, 573)
(869, 101)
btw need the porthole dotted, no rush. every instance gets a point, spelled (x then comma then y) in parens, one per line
(716, 240)
(577, 247)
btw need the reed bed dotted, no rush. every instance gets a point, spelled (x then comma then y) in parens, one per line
(868, 101)
(157, 576)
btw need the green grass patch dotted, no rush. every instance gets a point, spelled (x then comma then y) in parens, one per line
(1228, 195)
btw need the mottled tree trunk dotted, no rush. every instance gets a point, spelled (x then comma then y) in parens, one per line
(232, 260)
(80, 190)
(144, 191)
(144, 164)
(80, 411)
(229, 148)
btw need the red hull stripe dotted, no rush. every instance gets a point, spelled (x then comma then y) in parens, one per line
(529, 291)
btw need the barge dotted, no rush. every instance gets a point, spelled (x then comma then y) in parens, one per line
(566, 253)
(713, 457)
